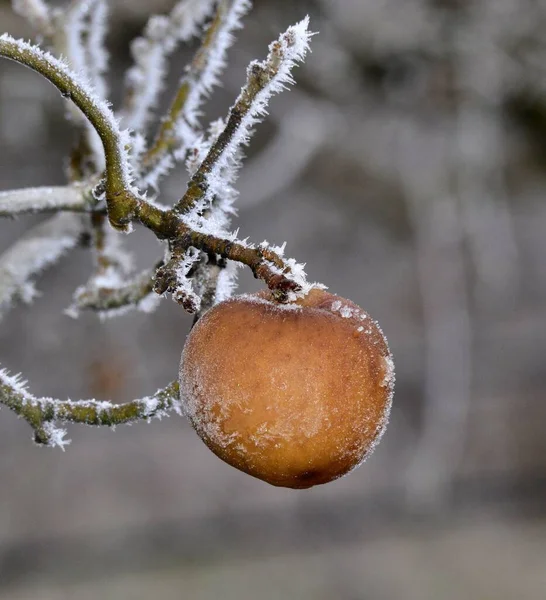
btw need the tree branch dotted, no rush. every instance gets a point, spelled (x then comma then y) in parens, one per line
(145, 80)
(263, 80)
(43, 199)
(124, 203)
(285, 277)
(137, 293)
(121, 197)
(80, 36)
(201, 75)
(42, 414)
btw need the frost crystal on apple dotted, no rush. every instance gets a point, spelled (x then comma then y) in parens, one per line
(388, 379)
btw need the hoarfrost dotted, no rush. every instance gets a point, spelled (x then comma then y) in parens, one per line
(40, 199)
(284, 54)
(85, 32)
(55, 435)
(121, 138)
(14, 390)
(345, 311)
(96, 48)
(227, 281)
(216, 59)
(297, 275)
(389, 376)
(17, 384)
(183, 286)
(146, 79)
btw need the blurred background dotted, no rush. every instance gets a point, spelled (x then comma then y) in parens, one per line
(408, 169)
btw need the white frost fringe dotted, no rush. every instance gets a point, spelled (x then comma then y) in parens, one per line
(16, 386)
(122, 138)
(290, 49)
(39, 199)
(146, 79)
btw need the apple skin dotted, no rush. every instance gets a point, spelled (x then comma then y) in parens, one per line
(296, 395)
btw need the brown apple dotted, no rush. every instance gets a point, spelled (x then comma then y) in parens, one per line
(294, 394)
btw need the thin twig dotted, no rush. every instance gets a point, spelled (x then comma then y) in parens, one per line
(265, 263)
(80, 37)
(177, 127)
(263, 80)
(136, 293)
(44, 199)
(144, 81)
(42, 414)
(121, 197)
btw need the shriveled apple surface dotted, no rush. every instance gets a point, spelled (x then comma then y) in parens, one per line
(294, 394)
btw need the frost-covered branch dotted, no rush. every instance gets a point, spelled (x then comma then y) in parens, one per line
(121, 196)
(177, 129)
(215, 280)
(40, 247)
(210, 191)
(283, 276)
(97, 55)
(203, 256)
(174, 277)
(111, 299)
(44, 199)
(124, 204)
(81, 32)
(206, 205)
(263, 80)
(43, 414)
(216, 217)
(145, 80)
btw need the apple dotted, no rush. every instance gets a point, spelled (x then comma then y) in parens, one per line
(295, 394)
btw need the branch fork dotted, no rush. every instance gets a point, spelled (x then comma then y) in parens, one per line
(202, 251)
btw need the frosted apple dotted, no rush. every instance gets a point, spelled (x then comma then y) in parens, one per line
(294, 394)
